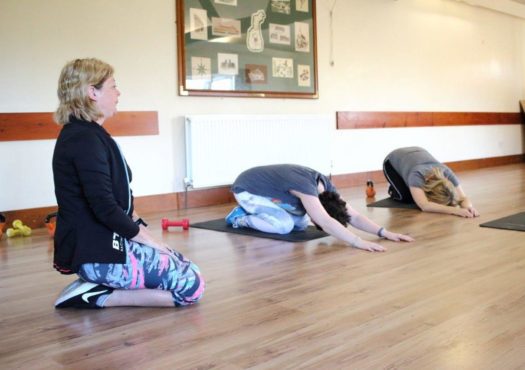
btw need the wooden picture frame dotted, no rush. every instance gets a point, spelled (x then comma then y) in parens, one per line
(247, 48)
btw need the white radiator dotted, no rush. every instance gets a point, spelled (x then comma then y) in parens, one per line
(220, 147)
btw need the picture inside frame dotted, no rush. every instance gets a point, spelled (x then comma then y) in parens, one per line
(265, 48)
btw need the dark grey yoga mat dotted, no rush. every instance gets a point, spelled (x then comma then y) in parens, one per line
(310, 233)
(391, 203)
(514, 222)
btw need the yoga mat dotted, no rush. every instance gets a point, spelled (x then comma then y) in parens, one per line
(514, 222)
(310, 233)
(391, 203)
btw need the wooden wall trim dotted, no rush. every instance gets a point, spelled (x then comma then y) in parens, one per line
(34, 217)
(474, 164)
(356, 120)
(41, 126)
(182, 200)
(356, 179)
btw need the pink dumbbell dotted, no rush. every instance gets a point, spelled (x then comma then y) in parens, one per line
(184, 223)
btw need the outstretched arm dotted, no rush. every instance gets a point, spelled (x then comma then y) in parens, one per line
(320, 217)
(427, 206)
(362, 222)
(465, 202)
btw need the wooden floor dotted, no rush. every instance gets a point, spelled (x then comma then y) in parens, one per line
(453, 299)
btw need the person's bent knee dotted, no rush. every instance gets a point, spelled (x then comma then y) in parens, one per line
(285, 227)
(193, 288)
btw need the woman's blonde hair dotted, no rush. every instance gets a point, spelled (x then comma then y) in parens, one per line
(75, 78)
(439, 189)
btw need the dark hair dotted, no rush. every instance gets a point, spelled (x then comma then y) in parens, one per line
(335, 206)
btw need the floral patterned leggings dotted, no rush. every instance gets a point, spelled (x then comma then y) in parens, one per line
(148, 268)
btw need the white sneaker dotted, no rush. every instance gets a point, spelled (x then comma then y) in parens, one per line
(81, 294)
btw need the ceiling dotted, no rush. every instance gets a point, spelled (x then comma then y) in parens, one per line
(512, 7)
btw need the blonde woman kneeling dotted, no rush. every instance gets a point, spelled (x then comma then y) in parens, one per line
(415, 176)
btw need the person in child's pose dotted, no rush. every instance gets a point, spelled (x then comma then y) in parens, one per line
(415, 176)
(285, 197)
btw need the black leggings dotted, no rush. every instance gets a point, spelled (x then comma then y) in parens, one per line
(398, 189)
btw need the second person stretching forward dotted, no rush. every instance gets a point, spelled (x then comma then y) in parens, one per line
(415, 176)
(281, 198)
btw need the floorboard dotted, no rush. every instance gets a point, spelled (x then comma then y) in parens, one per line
(453, 299)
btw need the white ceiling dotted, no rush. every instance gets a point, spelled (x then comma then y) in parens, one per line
(513, 7)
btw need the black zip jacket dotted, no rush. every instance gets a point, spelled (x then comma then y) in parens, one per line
(95, 203)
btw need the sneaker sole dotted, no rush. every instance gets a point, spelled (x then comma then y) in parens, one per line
(74, 291)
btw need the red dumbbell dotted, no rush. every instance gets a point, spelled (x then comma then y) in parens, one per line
(185, 223)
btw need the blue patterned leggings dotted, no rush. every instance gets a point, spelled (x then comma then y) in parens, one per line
(148, 268)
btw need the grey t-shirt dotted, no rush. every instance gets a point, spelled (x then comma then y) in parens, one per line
(413, 164)
(276, 181)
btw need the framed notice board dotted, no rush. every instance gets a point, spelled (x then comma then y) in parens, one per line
(247, 48)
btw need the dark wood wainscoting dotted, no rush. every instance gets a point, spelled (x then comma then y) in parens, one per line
(356, 120)
(41, 126)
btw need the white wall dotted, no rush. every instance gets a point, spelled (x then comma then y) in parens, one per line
(424, 56)
(405, 55)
